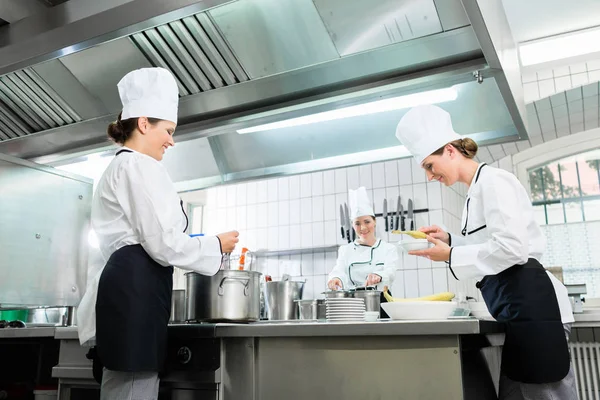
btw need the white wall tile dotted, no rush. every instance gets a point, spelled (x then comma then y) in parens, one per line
(262, 215)
(317, 183)
(221, 196)
(409, 262)
(305, 185)
(273, 238)
(330, 211)
(272, 190)
(580, 79)
(378, 175)
(405, 171)
(562, 84)
(434, 196)
(332, 232)
(420, 196)
(262, 240)
(365, 176)
(252, 216)
(211, 197)
(317, 208)
(319, 265)
(397, 288)
(422, 262)
(378, 197)
(440, 280)
(251, 240)
(294, 183)
(546, 88)
(241, 194)
(306, 233)
(425, 282)
(273, 214)
(436, 218)
(284, 237)
(251, 194)
(261, 192)
(318, 238)
(329, 182)
(284, 212)
(391, 173)
(308, 292)
(295, 236)
(241, 218)
(272, 264)
(411, 283)
(418, 173)
(341, 181)
(231, 219)
(353, 180)
(306, 210)
(307, 266)
(283, 188)
(295, 215)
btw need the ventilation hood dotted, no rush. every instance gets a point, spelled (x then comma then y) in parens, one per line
(245, 63)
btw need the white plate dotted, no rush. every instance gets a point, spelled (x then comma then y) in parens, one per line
(342, 314)
(342, 299)
(419, 309)
(350, 306)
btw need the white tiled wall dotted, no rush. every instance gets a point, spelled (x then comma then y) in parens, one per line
(302, 211)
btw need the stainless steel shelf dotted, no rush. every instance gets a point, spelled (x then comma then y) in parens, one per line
(292, 252)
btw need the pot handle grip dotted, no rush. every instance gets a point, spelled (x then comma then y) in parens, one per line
(235, 278)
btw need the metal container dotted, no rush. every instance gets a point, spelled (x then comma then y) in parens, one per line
(312, 309)
(281, 299)
(178, 306)
(229, 295)
(372, 298)
(332, 294)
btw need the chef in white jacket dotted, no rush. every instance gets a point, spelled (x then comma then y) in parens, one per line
(368, 260)
(140, 223)
(500, 245)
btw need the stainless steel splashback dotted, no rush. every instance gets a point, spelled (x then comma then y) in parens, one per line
(44, 222)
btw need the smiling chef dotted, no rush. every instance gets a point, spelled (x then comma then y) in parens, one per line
(500, 245)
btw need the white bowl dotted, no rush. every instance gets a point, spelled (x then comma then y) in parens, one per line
(414, 244)
(419, 309)
(371, 316)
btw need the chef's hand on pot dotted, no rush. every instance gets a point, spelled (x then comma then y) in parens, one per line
(436, 232)
(372, 279)
(439, 252)
(334, 284)
(228, 241)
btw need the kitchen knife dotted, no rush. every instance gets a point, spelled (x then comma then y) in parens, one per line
(397, 214)
(401, 218)
(410, 215)
(385, 214)
(347, 223)
(342, 220)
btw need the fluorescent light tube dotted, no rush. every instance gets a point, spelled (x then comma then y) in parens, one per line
(560, 47)
(396, 103)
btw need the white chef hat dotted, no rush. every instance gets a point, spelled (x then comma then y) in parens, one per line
(424, 129)
(360, 204)
(149, 92)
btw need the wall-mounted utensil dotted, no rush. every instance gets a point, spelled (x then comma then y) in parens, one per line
(410, 215)
(385, 214)
(401, 217)
(342, 221)
(347, 223)
(397, 214)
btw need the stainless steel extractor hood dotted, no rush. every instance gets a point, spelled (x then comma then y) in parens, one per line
(251, 62)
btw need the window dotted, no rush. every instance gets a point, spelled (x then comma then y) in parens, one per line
(567, 190)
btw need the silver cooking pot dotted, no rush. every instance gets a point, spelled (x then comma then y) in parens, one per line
(229, 295)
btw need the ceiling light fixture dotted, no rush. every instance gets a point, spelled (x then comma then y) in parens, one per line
(396, 103)
(559, 47)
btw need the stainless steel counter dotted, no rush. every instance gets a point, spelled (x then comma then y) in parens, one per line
(29, 332)
(314, 328)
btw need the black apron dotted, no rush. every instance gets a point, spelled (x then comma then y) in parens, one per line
(523, 297)
(132, 312)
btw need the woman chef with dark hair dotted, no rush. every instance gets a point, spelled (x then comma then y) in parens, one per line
(140, 223)
(500, 245)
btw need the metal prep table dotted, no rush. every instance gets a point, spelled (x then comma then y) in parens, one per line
(301, 359)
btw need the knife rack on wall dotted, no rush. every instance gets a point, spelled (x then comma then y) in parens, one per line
(421, 210)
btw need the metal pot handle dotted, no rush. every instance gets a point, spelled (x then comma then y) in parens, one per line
(235, 278)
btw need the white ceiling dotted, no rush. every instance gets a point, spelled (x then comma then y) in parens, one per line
(534, 19)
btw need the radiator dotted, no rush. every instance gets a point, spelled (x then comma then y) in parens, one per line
(585, 358)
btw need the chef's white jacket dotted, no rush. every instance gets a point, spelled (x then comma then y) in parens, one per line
(355, 262)
(499, 231)
(136, 203)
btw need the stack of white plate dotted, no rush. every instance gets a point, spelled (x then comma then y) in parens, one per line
(345, 309)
